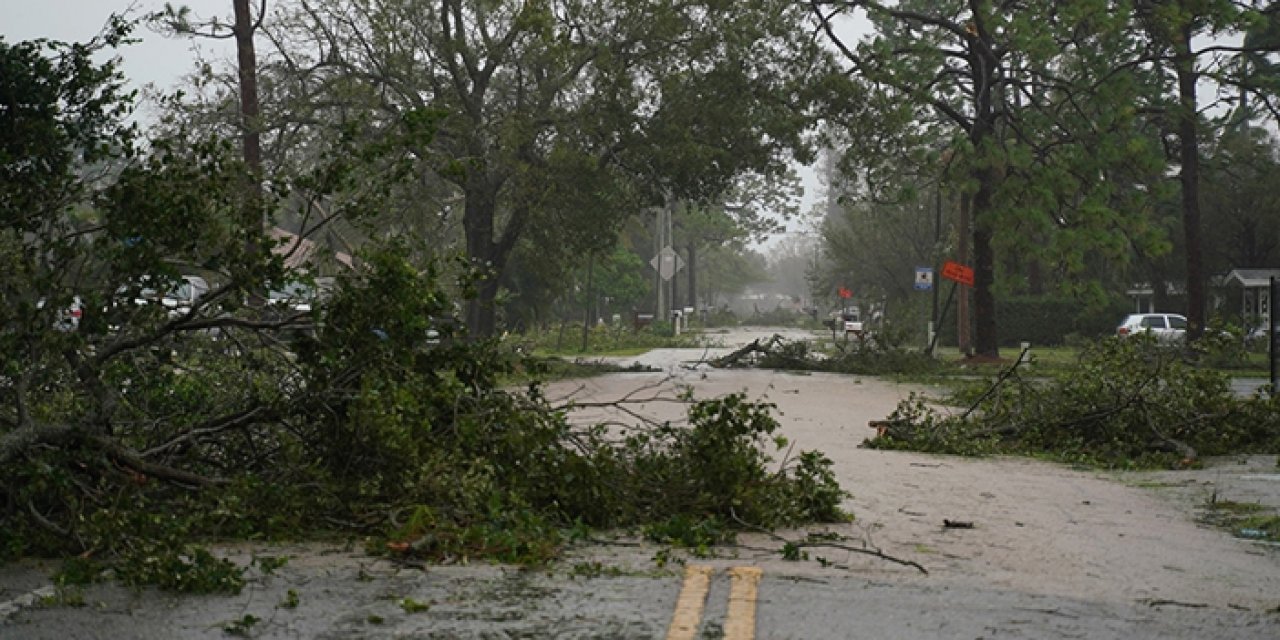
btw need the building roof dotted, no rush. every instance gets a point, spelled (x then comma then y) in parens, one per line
(1251, 277)
(297, 250)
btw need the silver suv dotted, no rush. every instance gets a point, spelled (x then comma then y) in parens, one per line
(1165, 327)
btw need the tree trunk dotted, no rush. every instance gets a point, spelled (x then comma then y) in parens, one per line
(963, 322)
(984, 303)
(477, 223)
(587, 300)
(692, 295)
(250, 120)
(1189, 152)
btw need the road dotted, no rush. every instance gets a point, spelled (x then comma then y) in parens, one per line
(1054, 552)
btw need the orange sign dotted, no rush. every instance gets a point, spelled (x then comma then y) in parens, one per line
(844, 293)
(958, 272)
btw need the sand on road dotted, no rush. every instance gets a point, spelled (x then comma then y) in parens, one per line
(1038, 527)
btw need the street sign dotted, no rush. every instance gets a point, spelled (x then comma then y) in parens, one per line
(957, 272)
(667, 263)
(924, 278)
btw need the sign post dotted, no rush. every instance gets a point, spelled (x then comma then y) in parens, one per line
(958, 274)
(1275, 335)
(924, 279)
(924, 282)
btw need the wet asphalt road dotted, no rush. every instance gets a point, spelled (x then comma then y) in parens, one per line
(605, 591)
(351, 597)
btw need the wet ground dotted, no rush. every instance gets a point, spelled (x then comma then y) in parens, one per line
(1054, 552)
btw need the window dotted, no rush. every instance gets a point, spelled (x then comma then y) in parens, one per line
(1176, 322)
(1153, 322)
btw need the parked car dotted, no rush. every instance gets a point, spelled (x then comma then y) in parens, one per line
(1258, 337)
(176, 300)
(294, 296)
(852, 322)
(1164, 327)
(69, 317)
(847, 320)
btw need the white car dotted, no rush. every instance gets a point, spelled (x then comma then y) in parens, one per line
(847, 321)
(68, 318)
(1165, 327)
(177, 300)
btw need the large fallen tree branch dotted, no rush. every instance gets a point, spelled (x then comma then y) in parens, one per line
(18, 441)
(14, 443)
(133, 460)
(754, 346)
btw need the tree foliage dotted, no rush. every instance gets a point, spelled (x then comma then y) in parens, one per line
(1129, 403)
(1033, 115)
(132, 434)
(563, 117)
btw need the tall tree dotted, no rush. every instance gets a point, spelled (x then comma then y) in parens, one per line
(242, 29)
(527, 84)
(1184, 36)
(1029, 102)
(753, 208)
(1241, 171)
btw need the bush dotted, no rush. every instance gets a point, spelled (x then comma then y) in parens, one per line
(1048, 321)
(383, 432)
(128, 441)
(1129, 403)
(868, 355)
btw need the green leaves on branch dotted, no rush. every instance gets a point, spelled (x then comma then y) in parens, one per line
(1128, 403)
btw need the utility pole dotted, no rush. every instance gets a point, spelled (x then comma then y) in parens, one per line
(664, 259)
(962, 306)
(659, 241)
(937, 248)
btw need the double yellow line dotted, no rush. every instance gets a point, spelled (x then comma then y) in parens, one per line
(740, 620)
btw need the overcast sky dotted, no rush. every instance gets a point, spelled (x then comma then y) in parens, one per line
(157, 60)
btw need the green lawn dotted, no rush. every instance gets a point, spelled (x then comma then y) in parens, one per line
(1059, 359)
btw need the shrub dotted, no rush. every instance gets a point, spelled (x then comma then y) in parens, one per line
(1129, 402)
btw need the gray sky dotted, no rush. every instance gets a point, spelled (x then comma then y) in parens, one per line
(157, 60)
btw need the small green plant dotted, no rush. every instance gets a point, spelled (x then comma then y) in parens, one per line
(78, 570)
(413, 606)
(793, 552)
(689, 532)
(290, 600)
(64, 596)
(269, 564)
(594, 569)
(666, 556)
(242, 627)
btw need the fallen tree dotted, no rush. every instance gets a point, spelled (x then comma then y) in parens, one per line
(134, 434)
(870, 355)
(1127, 403)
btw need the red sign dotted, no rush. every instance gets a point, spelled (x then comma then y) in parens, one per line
(958, 272)
(844, 293)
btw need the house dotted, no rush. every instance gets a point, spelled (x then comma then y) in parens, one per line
(299, 252)
(1144, 297)
(1253, 287)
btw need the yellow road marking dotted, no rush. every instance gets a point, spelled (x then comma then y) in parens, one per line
(744, 586)
(693, 595)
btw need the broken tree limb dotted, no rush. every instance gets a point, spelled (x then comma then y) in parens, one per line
(1004, 375)
(133, 460)
(754, 346)
(876, 553)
